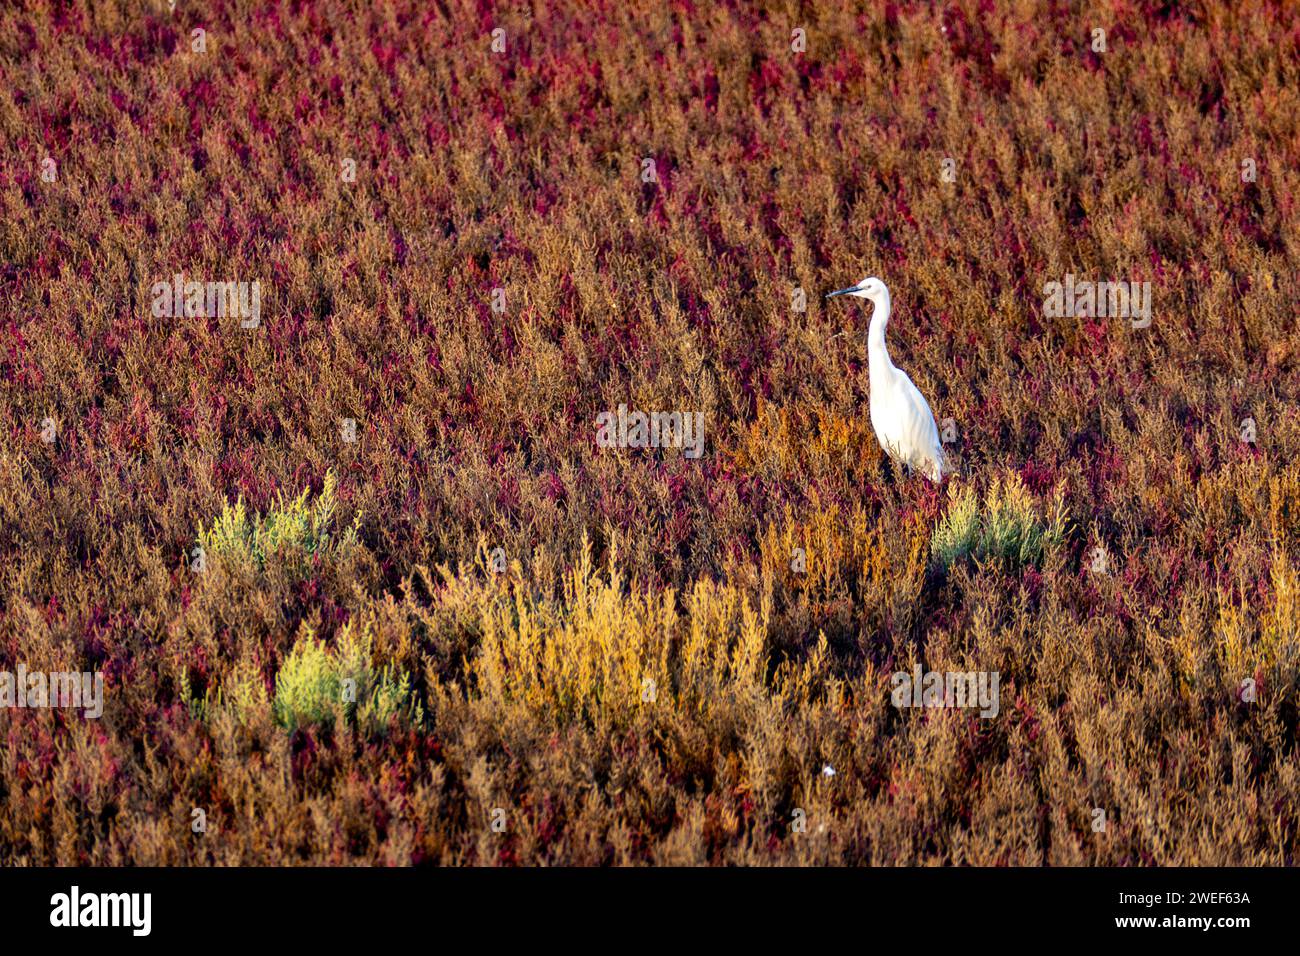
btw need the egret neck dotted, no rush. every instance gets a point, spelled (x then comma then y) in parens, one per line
(877, 355)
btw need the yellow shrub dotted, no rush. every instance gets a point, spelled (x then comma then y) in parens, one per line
(607, 648)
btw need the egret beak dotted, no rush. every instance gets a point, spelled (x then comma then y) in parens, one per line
(851, 288)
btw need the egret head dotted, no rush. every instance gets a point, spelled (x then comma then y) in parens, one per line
(869, 288)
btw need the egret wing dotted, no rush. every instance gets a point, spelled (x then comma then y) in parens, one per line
(924, 450)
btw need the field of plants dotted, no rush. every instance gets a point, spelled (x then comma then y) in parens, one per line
(364, 587)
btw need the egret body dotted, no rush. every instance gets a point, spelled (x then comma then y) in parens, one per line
(900, 415)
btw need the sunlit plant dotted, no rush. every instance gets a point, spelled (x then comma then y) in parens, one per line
(300, 526)
(318, 683)
(1005, 525)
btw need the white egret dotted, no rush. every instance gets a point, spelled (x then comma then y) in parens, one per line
(900, 415)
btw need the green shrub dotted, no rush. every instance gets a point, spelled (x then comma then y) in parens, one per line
(1007, 526)
(310, 687)
(958, 532)
(293, 527)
